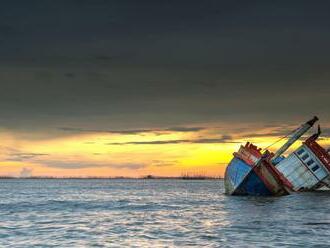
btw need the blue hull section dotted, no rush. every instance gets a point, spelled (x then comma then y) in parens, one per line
(240, 179)
(253, 185)
(236, 171)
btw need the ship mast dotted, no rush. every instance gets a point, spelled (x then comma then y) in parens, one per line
(295, 136)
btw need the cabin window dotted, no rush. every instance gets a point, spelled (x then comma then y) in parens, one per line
(315, 167)
(310, 162)
(304, 157)
(301, 151)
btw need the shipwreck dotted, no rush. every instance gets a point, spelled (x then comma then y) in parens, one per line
(258, 172)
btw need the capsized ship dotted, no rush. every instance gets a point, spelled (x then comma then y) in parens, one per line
(254, 171)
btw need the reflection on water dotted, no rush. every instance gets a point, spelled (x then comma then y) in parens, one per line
(155, 213)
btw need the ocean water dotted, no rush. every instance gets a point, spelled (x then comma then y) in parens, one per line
(156, 213)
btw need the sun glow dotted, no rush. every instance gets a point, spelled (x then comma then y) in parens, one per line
(166, 153)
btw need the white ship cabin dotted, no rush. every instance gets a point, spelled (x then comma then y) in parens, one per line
(304, 170)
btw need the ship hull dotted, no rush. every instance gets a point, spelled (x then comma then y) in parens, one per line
(241, 179)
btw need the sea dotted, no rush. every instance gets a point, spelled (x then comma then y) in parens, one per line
(155, 213)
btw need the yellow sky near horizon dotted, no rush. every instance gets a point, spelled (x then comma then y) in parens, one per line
(167, 153)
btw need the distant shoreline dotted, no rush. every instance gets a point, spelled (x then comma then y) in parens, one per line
(117, 178)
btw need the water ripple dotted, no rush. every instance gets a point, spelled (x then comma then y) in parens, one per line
(156, 213)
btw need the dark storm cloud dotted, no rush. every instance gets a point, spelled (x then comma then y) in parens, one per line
(223, 139)
(155, 142)
(81, 130)
(6, 30)
(64, 164)
(184, 129)
(23, 157)
(137, 64)
(137, 131)
(16, 155)
(325, 132)
(284, 132)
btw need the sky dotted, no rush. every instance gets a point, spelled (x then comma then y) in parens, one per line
(132, 88)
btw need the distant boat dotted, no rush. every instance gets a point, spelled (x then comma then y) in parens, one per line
(253, 171)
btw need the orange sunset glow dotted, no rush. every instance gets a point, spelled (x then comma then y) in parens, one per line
(153, 152)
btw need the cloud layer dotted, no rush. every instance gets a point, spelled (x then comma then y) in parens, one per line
(223, 139)
(132, 65)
